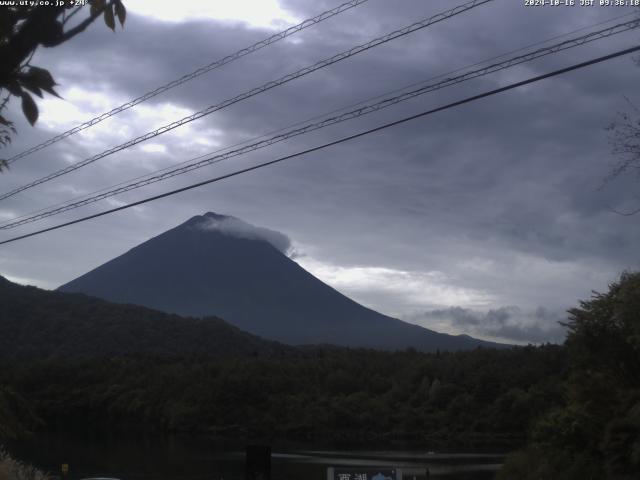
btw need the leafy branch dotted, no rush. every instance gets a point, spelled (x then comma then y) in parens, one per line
(22, 30)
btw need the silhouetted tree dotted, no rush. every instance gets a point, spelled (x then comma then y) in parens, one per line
(596, 434)
(625, 144)
(23, 28)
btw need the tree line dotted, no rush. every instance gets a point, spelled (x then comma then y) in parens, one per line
(318, 393)
(574, 409)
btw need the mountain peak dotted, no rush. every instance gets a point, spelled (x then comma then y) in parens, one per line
(231, 226)
(216, 216)
(199, 219)
(220, 265)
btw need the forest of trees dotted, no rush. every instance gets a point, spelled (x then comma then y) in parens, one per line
(16, 418)
(318, 393)
(49, 325)
(573, 408)
(595, 433)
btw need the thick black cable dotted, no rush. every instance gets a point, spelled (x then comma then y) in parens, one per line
(335, 142)
(207, 159)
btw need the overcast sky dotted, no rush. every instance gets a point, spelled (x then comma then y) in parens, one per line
(489, 219)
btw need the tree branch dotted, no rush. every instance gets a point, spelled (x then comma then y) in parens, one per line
(82, 26)
(25, 41)
(68, 17)
(4, 102)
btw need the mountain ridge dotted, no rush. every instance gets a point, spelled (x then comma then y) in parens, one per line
(219, 265)
(38, 324)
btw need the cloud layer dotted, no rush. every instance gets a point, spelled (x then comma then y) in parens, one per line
(510, 324)
(498, 202)
(235, 227)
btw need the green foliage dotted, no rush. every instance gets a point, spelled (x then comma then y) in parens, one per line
(23, 28)
(596, 433)
(16, 416)
(29, 108)
(82, 361)
(604, 334)
(310, 393)
(542, 464)
(41, 324)
(564, 428)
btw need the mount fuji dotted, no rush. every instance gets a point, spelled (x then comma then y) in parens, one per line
(219, 265)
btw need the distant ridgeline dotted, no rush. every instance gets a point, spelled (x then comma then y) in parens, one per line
(219, 265)
(579, 404)
(485, 396)
(78, 361)
(40, 325)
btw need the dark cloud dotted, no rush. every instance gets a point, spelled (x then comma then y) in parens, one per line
(500, 197)
(507, 323)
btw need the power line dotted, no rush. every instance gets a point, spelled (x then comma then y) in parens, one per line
(78, 198)
(82, 199)
(335, 142)
(364, 110)
(196, 73)
(267, 86)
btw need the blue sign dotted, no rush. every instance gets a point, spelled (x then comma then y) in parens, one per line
(364, 473)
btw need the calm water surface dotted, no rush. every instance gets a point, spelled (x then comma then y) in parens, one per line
(178, 458)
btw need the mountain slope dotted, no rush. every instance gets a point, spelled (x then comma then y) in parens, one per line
(218, 265)
(38, 324)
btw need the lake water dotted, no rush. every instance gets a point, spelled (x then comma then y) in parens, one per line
(179, 458)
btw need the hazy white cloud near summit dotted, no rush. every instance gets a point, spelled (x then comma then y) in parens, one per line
(235, 227)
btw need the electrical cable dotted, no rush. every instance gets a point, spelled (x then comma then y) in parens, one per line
(387, 102)
(335, 142)
(190, 76)
(255, 91)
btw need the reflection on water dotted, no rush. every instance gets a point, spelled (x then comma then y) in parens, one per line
(179, 458)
